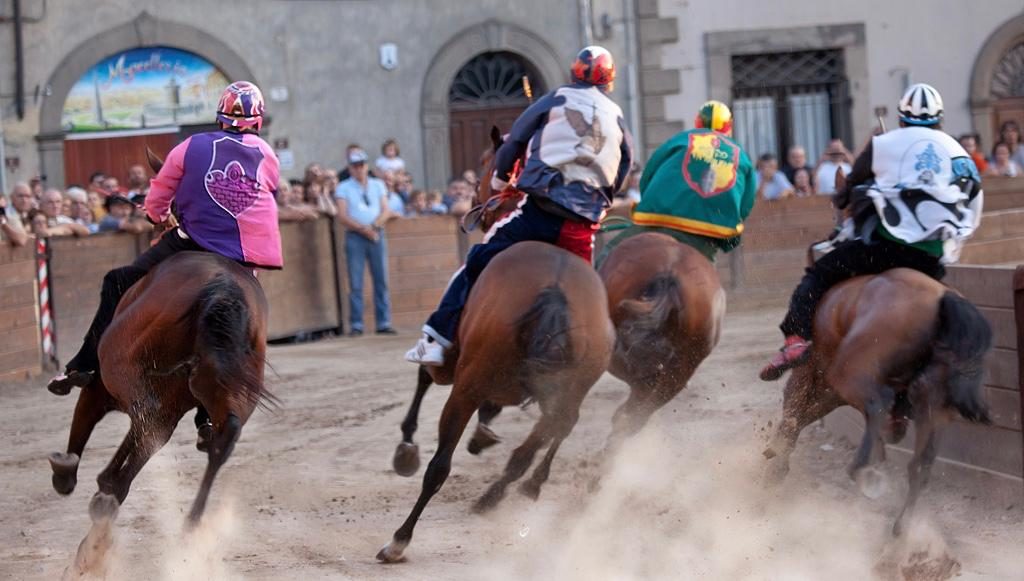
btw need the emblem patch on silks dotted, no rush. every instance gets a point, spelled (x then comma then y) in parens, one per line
(231, 179)
(929, 164)
(710, 164)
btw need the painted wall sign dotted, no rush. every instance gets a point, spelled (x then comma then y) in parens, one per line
(144, 87)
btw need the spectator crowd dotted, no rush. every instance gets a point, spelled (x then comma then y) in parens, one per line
(797, 179)
(31, 210)
(364, 196)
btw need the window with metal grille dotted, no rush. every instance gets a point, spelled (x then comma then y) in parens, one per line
(790, 98)
(493, 79)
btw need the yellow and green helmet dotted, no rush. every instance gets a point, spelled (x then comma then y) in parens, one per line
(716, 116)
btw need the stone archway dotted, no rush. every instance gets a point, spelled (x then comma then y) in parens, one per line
(489, 36)
(145, 30)
(997, 81)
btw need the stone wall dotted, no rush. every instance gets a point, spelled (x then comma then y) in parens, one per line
(324, 53)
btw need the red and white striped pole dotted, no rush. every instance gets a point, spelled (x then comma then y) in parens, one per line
(45, 318)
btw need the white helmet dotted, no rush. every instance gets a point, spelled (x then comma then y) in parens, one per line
(921, 105)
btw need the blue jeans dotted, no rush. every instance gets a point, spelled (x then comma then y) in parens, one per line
(360, 250)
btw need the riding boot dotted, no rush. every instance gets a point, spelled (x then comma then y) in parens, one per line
(84, 366)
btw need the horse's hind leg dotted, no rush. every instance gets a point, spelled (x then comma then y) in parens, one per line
(220, 449)
(93, 403)
(484, 437)
(406, 460)
(142, 441)
(457, 412)
(518, 463)
(920, 466)
(531, 488)
(136, 449)
(645, 398)
(876, 406)
(805, 401)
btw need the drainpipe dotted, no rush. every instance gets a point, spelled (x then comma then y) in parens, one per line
(632, 77)
(19, 64)
(3, 157)
(586, 23)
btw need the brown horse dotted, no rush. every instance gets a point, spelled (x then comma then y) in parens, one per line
(897, 346)
(667, 304)
(193, 331)
(489, 209)
(536, 326)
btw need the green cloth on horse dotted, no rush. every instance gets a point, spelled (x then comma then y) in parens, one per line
(706, 246)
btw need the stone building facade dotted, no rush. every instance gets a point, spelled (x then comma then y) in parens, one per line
(804, 70)
(795, 72)
(321, 60)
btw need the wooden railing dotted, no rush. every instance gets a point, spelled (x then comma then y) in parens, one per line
(20, 351)
(310, 294)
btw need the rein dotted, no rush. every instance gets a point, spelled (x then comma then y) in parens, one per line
(472, 219)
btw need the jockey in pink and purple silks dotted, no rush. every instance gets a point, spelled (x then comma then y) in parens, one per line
(224, 184)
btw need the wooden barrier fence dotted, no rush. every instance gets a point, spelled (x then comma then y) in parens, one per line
(310, 294)
(20, 351)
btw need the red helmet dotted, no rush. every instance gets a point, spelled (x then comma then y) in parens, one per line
(594, 66)
(241, 105)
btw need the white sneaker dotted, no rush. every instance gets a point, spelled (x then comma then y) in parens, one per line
(426, 352)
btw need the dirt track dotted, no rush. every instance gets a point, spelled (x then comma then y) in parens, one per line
(309, 493)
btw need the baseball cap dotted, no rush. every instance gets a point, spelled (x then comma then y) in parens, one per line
(116, 199)
(357, 156)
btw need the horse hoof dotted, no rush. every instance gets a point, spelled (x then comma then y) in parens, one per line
(103, 507)
(65, 472)
(774, 473)
(530, 489)
(482, 439)
(488, 501)
(407, 459)
(392, 552)
(896, 431)
(871, 481)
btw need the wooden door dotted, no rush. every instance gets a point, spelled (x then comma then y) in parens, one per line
(1010, 109)
(111, 155)
(471, 134)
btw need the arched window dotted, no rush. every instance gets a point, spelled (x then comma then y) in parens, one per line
(493, 79)
(1008, 78)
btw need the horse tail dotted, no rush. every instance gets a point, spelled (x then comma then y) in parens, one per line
(640, 332)
(961, 341)
(544, 333)
(223, 345)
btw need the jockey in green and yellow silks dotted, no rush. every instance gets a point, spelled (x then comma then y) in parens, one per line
(698, 187)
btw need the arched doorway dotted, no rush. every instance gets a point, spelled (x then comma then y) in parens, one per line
(141, 98)
(492, 36)
(997, 82)
(1008, 90)
(144, 32)
(487, 91)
